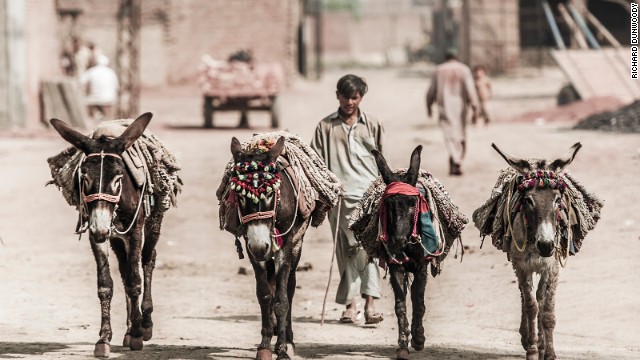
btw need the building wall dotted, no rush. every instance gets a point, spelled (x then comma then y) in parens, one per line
(490, 34)
(378, 32)
(42, 51)
(176, 33)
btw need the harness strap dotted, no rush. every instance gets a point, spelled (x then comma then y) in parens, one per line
(400, 188)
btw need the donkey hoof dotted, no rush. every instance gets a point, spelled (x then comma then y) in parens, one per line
(126, 340)
(135, 343)
(263, 354)
(102, 350)
(417, 345)
(147, 333)
(402, 354)
(532, 354)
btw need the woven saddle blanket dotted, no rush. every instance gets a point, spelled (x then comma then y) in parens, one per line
(582, 212)
(146, 160)
(315, 183)
(448, 221)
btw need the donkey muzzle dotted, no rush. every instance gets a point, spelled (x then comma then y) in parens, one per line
(259, 239)
(100, 223)
(545, 248)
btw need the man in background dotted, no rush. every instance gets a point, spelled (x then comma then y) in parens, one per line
(453, 90)
(101, 84)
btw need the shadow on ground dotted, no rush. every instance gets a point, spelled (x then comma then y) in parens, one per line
(17, 350)
(345, 351)
(8, 350)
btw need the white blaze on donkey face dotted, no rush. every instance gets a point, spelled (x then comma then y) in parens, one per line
(259, 239)
(100, 221)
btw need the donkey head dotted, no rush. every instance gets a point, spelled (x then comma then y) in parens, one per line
(541, 188)
(400, 209)
(103, 174)
(256, 181)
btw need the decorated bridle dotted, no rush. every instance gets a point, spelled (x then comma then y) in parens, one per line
(256, 181)
(400, 188)
(541, 179)
(114, 199)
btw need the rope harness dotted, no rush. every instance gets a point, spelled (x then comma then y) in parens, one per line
(100, 196)
(540, 179)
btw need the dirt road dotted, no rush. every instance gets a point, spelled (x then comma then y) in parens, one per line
(205, 310)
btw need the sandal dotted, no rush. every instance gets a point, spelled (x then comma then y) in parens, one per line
(348, 316)
(372, 317)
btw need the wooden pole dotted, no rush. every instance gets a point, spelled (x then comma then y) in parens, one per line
(128, 59)
(603, 30)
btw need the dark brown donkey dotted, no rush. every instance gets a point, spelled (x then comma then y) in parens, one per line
(398, 217)
(273, 230)
(112, 201)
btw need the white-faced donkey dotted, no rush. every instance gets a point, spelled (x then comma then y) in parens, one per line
(538, 214)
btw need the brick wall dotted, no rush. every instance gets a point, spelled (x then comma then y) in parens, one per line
(491, 34)
(176, 33)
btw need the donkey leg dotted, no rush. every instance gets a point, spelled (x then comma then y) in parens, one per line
(529, 314)
(105, 293)
(281, 302)
(148, 264)
(264, 293)
(398, 285)
(291, 290)
(547, 314)
(120, 250)
(417, 300)
(135, 288)
(152, 232)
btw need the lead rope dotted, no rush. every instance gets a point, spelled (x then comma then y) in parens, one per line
(135, 217)
(333, 256)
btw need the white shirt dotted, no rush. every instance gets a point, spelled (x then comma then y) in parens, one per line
(102, 85)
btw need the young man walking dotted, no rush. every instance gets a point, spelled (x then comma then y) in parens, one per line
(344, 140)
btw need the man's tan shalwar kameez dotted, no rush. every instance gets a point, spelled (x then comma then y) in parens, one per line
(347, 152)
(453, 90)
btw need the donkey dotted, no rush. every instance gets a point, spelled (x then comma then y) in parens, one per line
(399, 209)
(536, 230)
(113, 202)
(273, 231)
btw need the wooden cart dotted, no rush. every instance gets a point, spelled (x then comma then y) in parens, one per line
(239, 86)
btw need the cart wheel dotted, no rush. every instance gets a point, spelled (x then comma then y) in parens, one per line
(207, 111)
(275, 113)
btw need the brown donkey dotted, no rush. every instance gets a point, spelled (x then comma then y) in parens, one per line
(112, 201)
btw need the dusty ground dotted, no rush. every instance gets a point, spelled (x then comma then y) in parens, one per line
(205, 310)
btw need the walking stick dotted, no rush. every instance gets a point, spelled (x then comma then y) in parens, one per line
(333, 256)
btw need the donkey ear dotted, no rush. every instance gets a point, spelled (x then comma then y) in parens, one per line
(236, 148)
(73, 136)
(520, 165)
(414, 166)
(384, 169)
(559, 164)
(277, 149)
(134, 131)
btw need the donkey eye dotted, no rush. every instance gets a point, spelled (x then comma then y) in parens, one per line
(117, 183)
(86, 182)
(529, 201)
